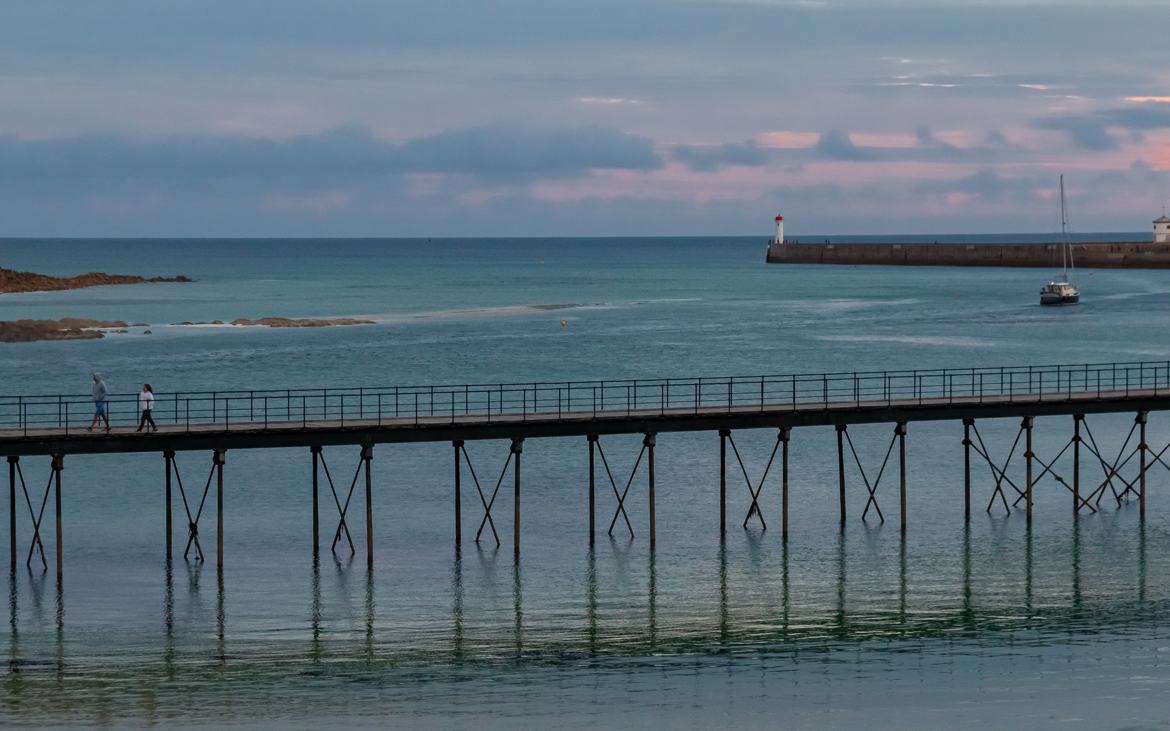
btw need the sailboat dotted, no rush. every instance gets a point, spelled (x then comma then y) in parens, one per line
(1060, 291)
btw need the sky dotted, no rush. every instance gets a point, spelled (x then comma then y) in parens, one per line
(433, 118)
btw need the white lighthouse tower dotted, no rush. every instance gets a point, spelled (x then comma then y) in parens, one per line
(779, 229)
(1162, 229)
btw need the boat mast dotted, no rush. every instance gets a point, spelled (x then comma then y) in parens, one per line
(1063, 231)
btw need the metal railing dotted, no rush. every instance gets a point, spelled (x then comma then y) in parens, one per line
(291, 408)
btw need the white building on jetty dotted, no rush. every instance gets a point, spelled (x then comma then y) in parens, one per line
(1162, 229)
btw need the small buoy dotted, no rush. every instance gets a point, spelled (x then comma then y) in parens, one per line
(564, 323)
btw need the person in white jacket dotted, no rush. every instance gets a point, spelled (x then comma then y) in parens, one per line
(145, 404)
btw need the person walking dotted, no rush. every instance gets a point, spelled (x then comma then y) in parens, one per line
(101, 395)
(145, 405)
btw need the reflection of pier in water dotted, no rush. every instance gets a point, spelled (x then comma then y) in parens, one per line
(1064, 584)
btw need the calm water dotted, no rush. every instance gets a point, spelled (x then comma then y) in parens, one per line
(992, 625)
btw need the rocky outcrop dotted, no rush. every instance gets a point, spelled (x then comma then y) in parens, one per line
(284, 322)
(288, 322)
(14, 281)
(69, 328)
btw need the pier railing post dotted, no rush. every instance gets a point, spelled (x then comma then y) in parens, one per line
(218, 459)
(58, 467)
(900, 430)
(169, 457)
(967, 424)
(841, 471)
(1142, 417)
(367, 458)
(517, 449)
(785, 433)
(316, 453)
(723, 434)
(1077, 419)
(1028, 457)
(649, 441)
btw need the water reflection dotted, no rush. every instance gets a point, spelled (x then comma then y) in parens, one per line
(773, 598)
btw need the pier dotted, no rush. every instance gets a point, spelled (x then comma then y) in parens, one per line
(39, 436)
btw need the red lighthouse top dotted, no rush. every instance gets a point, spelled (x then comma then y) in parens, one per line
(779, 218)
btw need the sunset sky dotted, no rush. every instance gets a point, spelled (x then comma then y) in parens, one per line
(594, 117)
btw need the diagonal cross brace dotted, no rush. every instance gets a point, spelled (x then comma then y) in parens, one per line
(193, 521)
(621, 497)
(757, 489)
(998, 473)
(872, 488)
(488, 504)
(1112, 469)
(342, 510)
(36, 516)
(1049, 468)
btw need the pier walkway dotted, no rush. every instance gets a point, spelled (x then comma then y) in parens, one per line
(218, 422)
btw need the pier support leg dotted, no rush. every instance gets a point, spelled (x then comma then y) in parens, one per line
(458, 445)
(649, 441)
(12, 511)
(1142, 417)
(316, 452)
(900, 430)
(723, 434)
(58, 466)
(841, 471)
(967, 423)
(785, 433)
(1028, 456)
(1077, 419)
(517, 448)
(217, 460)
(367, 458)
(592, 438)
(169, 458)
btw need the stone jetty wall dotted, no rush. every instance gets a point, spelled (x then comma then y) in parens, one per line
(1100, 254)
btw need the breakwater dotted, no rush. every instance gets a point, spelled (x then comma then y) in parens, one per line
(1095, 254)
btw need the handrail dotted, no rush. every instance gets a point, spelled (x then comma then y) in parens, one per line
(270, 408)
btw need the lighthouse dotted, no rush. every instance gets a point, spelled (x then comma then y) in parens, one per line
(779, 229)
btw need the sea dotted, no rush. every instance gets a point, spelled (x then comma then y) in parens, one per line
(982, 624)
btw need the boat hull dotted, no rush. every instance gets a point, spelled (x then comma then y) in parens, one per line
(1057, 299)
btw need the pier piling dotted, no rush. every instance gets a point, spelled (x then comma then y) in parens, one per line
(900, 431)
(58, 467)
(841, 471)
(592, 439)
(168, 458)
(785, 434)
(648, 442)
(1028, 455)
(1142, 448)
(12, 511)
(723, 434)
(458, 445)
(967, 424)
(217, 460)
(1076, 489)
(517, 448)
(315, 451)
(367, 458)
